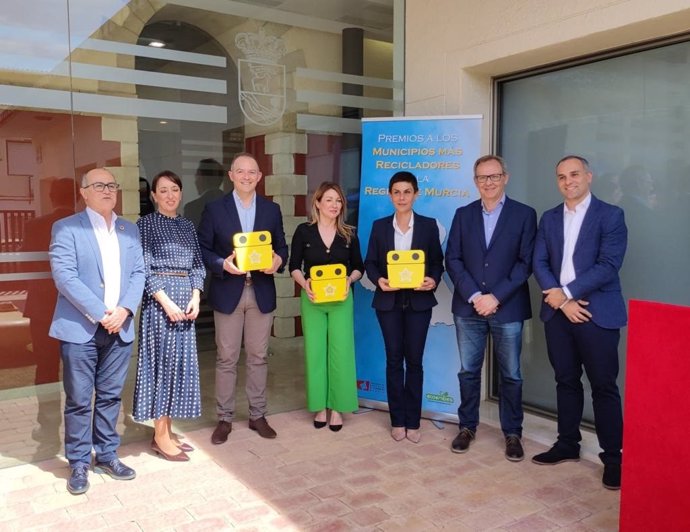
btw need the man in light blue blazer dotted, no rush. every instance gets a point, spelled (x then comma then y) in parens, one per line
(578, 253)
(98, 269)
(489, 259)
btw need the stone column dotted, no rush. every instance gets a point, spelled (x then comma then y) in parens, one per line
(288, 190)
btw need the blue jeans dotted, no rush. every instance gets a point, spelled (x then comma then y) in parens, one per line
(472, 334)
(100, 364)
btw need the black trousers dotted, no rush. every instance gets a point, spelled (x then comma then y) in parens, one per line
(404, 335)
(572, 347)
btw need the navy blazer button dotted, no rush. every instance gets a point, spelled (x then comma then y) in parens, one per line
(486, 265)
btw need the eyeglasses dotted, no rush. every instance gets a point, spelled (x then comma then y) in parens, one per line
(100, 187)
(494, 178)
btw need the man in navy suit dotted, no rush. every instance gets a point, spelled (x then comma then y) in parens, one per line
(577, 256)
(489, 259)
(242, 303)
(98, 268)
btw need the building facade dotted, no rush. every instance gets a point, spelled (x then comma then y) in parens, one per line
(145, 85)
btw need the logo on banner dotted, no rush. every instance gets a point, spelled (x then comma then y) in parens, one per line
(260, 79)
(368, 386)
(441, 397)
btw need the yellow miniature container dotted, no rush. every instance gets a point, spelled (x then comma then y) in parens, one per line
(328, 282)
(253, 250)
(405, 268)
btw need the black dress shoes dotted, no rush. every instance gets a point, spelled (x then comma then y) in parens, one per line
(220, 435)
(555, 456)
(115, 469)
(179, 457)
(262, 427)
(78, 481)
(612, 476)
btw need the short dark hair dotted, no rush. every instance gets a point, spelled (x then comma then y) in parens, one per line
(584, 161)
(211, 170)
(403, 177)
(490, 157)
(170, 175)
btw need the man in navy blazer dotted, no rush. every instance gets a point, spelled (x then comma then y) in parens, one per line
(242, 303)
(489, 259)
(98, 269)
(577, 256)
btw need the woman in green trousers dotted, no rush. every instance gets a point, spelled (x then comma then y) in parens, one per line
(329, 340)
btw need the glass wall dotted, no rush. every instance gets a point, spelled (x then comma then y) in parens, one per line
(629, 116)
(139, 87)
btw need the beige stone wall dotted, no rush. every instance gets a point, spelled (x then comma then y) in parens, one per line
(454, 47)
(284, 185)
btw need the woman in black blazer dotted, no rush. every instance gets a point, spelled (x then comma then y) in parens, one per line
(404, 314)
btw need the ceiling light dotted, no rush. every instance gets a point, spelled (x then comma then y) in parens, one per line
(163, 122)
(157, 44)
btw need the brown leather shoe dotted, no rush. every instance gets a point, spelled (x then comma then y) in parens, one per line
(179, 457)
(220, 435)
(262, 427)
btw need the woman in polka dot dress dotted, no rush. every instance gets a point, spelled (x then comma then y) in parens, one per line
(167, 383)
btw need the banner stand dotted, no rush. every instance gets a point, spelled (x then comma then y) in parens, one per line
(440, 152)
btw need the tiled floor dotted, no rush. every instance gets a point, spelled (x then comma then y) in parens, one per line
(31, 416)
(307, 479)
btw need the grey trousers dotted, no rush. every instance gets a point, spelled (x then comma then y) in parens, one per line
(256, 326)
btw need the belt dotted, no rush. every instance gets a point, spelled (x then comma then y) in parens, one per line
(172, 274)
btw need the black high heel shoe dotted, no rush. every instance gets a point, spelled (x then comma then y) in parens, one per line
(336, 428)
(320, 424)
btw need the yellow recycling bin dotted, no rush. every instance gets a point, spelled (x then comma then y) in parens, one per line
(405, 268)
(253, 250)
(328, 282)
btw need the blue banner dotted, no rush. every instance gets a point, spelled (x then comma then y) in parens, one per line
(440, 152)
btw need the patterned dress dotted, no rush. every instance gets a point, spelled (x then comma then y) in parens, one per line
(168, 370)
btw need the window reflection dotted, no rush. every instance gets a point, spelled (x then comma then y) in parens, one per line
(628, 117)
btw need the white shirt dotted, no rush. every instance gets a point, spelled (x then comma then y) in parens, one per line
(403, 241)
(109, 247)
(572, 223)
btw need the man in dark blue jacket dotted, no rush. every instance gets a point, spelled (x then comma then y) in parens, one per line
(489, 259)
(242, 303)
(578, 253)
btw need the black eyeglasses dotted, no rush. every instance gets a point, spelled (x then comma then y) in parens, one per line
(100, 187)
(494, 178)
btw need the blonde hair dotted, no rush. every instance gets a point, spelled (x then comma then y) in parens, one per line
(343, 229)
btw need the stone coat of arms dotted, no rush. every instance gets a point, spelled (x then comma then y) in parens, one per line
(261, 80)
